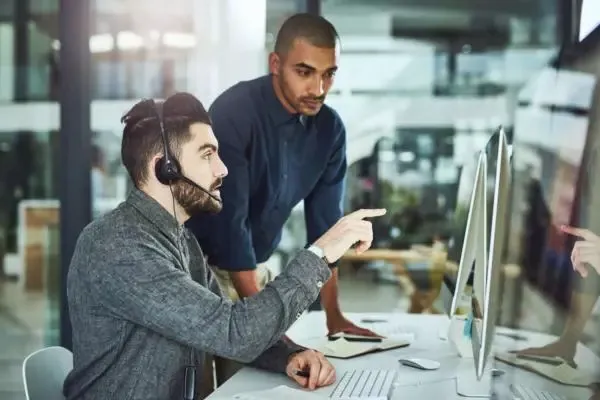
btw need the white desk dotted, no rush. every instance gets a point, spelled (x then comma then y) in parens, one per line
(412, 383)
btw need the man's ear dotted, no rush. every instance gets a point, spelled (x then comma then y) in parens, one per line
(274, 63)
(154, 164)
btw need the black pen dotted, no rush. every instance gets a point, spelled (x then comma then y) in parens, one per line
(372, 321)
(374, 339)
(364, 339)
(302, 373)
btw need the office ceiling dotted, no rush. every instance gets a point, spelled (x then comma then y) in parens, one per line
(524, 8)
(421, 19)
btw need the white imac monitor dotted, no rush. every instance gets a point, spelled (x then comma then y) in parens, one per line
(486, 294)
(474, 247)
(589, 17)
(469, 250)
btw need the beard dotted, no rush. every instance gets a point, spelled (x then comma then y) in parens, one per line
(194, 201)
(299, 104)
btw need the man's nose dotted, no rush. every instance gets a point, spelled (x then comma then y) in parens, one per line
(220, 170)
(317, 87)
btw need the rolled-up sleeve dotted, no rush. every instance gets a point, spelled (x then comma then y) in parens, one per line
(323, 207)
(226, 237)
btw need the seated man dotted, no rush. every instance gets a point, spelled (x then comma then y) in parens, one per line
(144, 306)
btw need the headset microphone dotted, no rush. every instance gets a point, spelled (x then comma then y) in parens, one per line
(194, 184)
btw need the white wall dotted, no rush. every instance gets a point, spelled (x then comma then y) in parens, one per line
(230, 37)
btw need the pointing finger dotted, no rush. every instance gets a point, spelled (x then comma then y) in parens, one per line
(367, 213)
(578, 232)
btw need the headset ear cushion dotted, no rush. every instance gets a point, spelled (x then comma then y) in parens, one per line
(166, 172)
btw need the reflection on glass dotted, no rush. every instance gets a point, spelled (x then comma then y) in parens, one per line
(550, 135)
(556, 183)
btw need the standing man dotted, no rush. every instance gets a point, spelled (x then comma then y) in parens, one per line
(282, 145)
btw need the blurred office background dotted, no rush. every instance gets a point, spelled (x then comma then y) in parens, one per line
(422, 85)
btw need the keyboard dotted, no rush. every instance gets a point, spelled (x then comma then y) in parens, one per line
(365, 384)
(526, 393)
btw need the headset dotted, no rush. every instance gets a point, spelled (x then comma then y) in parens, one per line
(168, 169)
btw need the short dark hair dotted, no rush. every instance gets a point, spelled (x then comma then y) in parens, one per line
(142, 137)
(315, 29)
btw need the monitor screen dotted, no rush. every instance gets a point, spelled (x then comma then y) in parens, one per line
(459, 224)
(589, 17)
(463, 199)
(556, 134)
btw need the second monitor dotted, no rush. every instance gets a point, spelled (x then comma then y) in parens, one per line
(480, 255)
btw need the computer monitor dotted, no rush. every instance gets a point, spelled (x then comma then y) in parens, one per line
(589, 18)
(485, 300)
(473, 253)
(483, 172)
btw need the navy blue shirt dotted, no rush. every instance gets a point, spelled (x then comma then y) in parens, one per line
(275, 160)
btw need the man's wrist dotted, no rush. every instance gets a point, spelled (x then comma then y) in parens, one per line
(333, 312)
(319, 252)
(293, 348)
(569, 340)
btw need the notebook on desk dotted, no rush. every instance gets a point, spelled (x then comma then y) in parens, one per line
(348, 346)
(561, 373)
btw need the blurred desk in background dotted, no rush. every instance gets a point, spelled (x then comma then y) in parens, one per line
(419, 271)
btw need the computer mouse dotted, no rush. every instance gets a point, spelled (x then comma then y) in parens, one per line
(420, 363)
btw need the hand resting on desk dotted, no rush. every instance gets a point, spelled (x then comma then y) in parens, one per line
(560, 348)
(561, 373)
(346, 326)
(314, 364)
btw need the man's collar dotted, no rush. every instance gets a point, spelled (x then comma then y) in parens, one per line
(154, 212)
(277, 111)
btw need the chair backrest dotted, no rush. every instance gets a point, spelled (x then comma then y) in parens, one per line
(44, 372)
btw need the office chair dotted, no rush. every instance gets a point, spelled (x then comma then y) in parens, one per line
(44, 372)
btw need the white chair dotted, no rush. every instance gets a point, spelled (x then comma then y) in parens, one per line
(44, 372)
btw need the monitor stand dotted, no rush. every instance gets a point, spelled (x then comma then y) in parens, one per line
(467, 384)
(460, 341)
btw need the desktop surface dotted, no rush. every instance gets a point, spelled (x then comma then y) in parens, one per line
(410, 383)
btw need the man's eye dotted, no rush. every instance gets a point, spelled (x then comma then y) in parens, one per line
(207, 156)
(303, 72)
